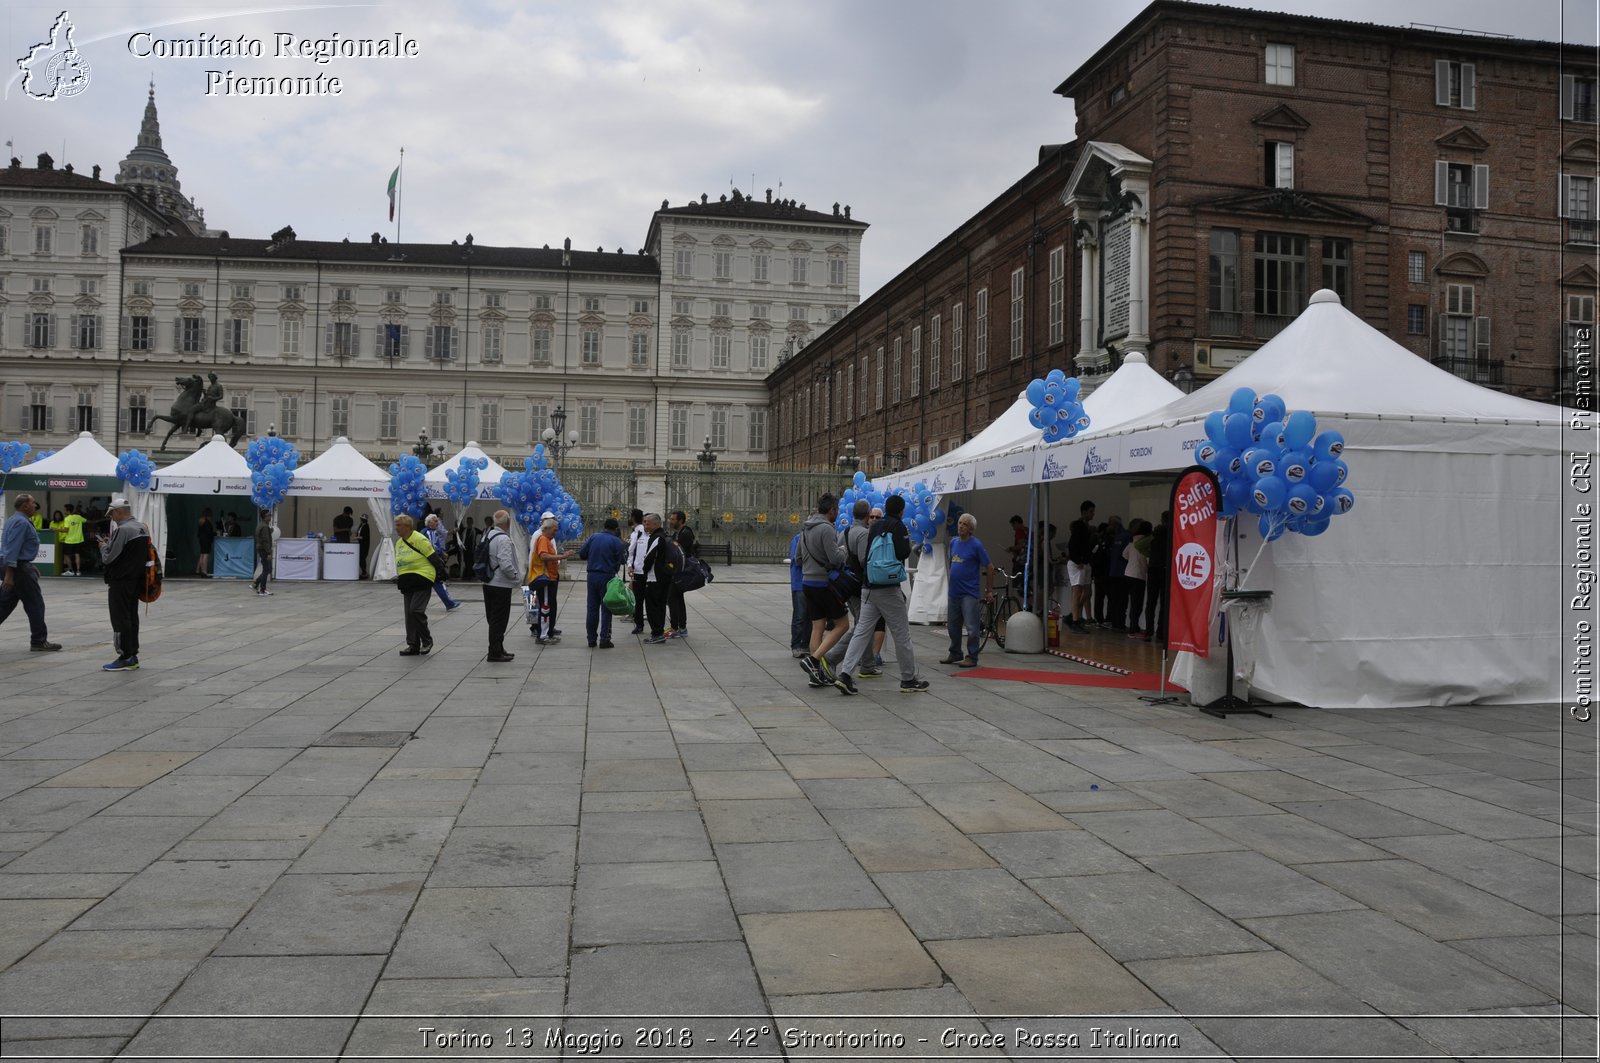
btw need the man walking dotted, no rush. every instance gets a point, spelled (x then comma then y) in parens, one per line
(1080, 552)
(855, 548)
(821, 552)
(124, 555)
(882, 596)
(677, 611)
(263, 551)
(544, 572)
(969, 567)
(436, 537)
(19, 546)
(604, 553)
(504, 574)
(638, 541)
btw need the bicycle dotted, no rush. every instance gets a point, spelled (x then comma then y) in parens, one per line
(998, 610)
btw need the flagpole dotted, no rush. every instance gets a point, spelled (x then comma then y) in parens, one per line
(400, 196)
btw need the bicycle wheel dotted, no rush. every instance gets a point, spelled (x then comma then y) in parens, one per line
(985, 625)
(1002, 613)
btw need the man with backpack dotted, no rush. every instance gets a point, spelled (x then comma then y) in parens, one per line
(496, 565)
(855, 547)
(125, 555)
(677, 612)
(659, 571)
(604, 552)
(888, 546)
(638, 540)
(820, 554)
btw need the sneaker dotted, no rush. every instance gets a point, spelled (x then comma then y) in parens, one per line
(655, 640)
(680, 633)
(607, 644)
(869, 671)
(824, 669)
(409, 651)
(427, 645)
(813, 669)
(44, 647)
(637, 628)
(913, 686)
(817, 684)
(797, 654)
(954, 658)
(968, 662)
(130, 664)
(501, 658)
(452, 608)
(845, 684)
(877, 660)
(555, 632)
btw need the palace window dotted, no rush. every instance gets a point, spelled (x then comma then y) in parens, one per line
(1578, 207)
(489, 421)
(760, 266)
(339, 415)
(1223, 298)
(1280, 64)
(85, 410)
(41, 415)
(289, 415)
(191, 334)
(394, 341)
(721, 347)
(1336, 267)
(389, 419)
(638, 424)
(678, 427)
(589, 346)
(933, 353)
(439, 418)
(492, 343)
(1058, 295)
(236, 336)
(290, 329)
(980, 331)
(800, 269)
(680, 348)
(758, 429)
(719, 428)
(1462, 190)
(759, 346)
(639, 350)
(86, 332)
(1016, 314)
(138, 412)
(588, 423)
(139, 338)
(1417, 267)
(1279, 171)
(541, 344)
(1455, 84)
(1578, 98)
(1280, 280)
(958, 313)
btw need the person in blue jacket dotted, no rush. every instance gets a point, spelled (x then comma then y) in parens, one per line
(799, 622)
(605, 553)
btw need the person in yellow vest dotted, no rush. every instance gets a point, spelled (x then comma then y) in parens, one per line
(412, 551)
(71, 540)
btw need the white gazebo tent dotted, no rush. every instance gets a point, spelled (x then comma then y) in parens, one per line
(214, 469)
(488, 484)
(85, 466)
(342, 471)
(1441, 586)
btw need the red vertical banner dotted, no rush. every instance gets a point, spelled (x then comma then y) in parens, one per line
(1192, 572)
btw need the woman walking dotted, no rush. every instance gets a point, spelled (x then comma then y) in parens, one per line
(412, 554)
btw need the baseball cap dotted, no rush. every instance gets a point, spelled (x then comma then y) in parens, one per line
(120, 502)
(548, 515)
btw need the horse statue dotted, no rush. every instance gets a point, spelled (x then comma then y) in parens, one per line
(197, 410)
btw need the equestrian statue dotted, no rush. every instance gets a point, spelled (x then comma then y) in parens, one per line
(198, 408)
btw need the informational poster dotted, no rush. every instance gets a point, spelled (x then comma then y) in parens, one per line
(1195, 500)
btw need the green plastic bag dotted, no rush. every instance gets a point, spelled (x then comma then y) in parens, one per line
(619, 597)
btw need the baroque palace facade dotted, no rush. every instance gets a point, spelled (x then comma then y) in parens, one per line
(1228, 163)
(112, 292)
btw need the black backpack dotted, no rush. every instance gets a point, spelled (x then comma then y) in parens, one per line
(485, 560)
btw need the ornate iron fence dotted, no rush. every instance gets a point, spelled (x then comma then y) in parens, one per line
(754, 509)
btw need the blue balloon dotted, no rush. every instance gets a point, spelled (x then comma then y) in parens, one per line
(1232, 460)
(1271, 434)
(1314, 526)
(1206, 454)
(1273, 408)
(1238, 431)
(1328, 445)
(1055, 376)
(1036, 392)
(1259, 462)
(1071, 387)
(1035, 418)
(1270, 492)
(1302, 497)
(1238, 492)
(1294, 465)
(1323, 475)
(1217, 427)
(1242, 401)
(1342, 500)
(1298, 429)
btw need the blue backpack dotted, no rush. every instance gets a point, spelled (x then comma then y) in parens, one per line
(884, 569)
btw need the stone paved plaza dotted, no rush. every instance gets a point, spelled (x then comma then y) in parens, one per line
(278, 819)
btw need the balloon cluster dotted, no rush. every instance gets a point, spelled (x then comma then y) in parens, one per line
(529, 494)
(408, 488)
(1274, 464)
(134, 469)
(11, 454)
(43, 454)
(461, 483)
(272, 461)
(921, 519)
(1056, 408)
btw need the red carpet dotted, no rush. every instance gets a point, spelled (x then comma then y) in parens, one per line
(1133, 681)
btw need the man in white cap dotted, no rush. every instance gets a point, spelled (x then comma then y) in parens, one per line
(544, 574)
(124, 556)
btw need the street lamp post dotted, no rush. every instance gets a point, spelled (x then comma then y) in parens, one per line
(1183, 379)
(429, 451)
(708, 467)
(556, 439)
(849, 461)
(899, 460)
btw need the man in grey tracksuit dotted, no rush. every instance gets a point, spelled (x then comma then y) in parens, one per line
(888, 601)
(855, 545)
(504, 575)
(820, 552)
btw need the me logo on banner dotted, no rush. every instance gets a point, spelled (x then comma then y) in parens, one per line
(1195, 501)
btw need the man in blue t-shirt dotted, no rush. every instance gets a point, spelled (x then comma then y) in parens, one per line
(971, 584)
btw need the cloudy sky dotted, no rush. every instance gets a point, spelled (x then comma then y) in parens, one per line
(528, 122)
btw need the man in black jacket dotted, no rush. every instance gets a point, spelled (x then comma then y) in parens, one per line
(883, 596)
(124, 555)
(677, 611)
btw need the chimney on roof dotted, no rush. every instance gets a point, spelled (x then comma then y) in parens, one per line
(376, 237)
(835, 208)
(847, 212)
(223, 234)
(566, 245)
(703, 196)
(69, 167)
(469, 239)
(46, 162)
(97, 171)
(769, 195)
(16, 163)
(663, 204)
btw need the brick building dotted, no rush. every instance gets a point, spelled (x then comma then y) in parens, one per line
(1228, 163)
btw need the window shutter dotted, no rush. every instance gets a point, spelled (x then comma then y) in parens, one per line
(1568, 83)
(327, 339)
(1469, 87)
(205, 340)
(50, 336)
(355, 339)
(1441, 82)
(1441, 182)
(1480, 187)
(427, 343)
(97, 321)
(49, 418)
(244, 337)
(1480, 335)
(1563, 195)
(227, 341)
(177, 334)
(122, 421)
(1285, 165)
(455, 343)
(125, 336)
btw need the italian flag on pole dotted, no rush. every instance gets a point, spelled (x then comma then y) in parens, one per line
(394, 182)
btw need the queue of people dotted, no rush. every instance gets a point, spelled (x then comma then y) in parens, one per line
(1118, 574)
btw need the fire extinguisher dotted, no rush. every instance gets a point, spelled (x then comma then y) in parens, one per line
(1053, 627)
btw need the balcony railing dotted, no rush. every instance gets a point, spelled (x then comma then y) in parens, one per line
(1269, 325)
(1479, 371)
(1225, 323)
